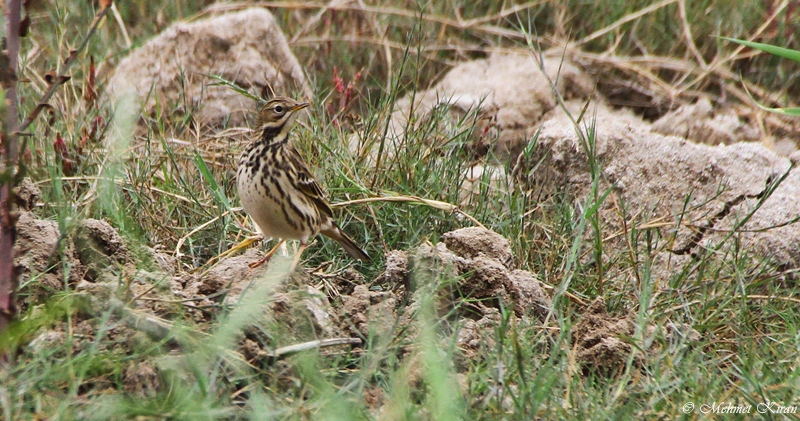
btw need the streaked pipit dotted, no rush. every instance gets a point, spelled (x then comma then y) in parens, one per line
(277, 189)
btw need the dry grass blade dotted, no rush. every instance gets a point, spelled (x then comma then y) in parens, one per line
(687, 33)
(121, 23)
(644, 70)
(290, 350)
(183, 239)
(477, 24)
(719, 63)
(772, 297)
(413, 199)
(628, 18)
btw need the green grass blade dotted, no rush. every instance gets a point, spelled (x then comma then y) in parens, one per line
(221, 81)
(780, 52)
(767, 48)
(219, 195)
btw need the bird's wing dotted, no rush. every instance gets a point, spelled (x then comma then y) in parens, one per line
(307, 184)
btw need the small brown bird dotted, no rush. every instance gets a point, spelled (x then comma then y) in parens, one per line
(278, 191)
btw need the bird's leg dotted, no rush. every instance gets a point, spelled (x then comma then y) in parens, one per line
(267, 257)
(299, 253)
(243, 245)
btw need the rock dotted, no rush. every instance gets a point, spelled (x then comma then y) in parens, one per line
(475, 336)
(319, 310)
(508, 91)
(653, 175)
(166, 262)
(244, 47)
(699, 123)
(431, 264)
(527, 294)
(96, 294)
(487, 282)
(47, 340)
(306, 312)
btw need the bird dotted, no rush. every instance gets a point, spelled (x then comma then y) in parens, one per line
(277, 189)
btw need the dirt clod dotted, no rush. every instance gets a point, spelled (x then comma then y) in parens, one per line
(232, 273)
(599, 339)
(509, 91)
(141, 379)
(475, 336)
(396, 270)
(527, 294)
(27, 195)
(37, 249)
(478, 262)
(319, 312)
(656, 170)
(301, 312)
(374, 398)
(99, 245)
(97, 294)
(366, 310)
(474, 241)
(700, 123)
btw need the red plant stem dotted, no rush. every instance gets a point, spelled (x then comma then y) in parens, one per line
(8, 276)
(61, 78)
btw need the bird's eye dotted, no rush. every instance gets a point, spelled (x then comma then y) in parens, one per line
(278, 109)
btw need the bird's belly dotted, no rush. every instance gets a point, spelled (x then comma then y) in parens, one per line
(269, 208)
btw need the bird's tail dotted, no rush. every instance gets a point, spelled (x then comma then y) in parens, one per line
(347, 244)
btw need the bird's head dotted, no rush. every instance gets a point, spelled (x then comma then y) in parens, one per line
(277, 115)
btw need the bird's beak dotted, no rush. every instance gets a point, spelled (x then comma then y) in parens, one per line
(300, 106)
